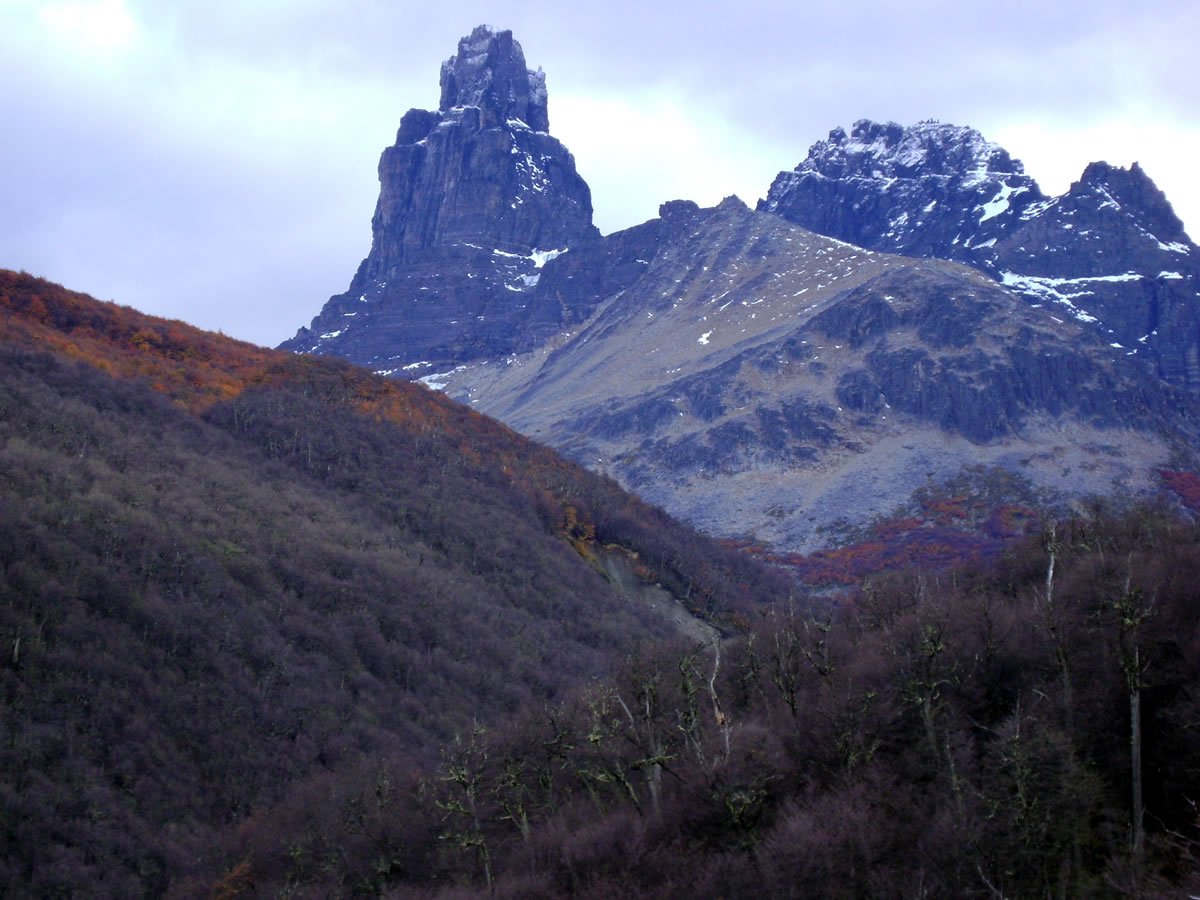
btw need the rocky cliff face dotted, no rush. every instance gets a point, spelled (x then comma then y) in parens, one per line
(1109, 253)
(474, 199)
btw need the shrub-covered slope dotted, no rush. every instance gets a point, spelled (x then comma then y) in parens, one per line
(963, 735)
(224, 570)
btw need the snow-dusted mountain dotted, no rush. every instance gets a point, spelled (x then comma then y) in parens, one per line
(769, 383)
(929, 190)
(1109, 253)
(765, 380)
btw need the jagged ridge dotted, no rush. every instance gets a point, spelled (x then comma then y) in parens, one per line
(1110, 252)
(763, 381)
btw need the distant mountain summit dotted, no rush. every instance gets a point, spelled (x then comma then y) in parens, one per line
(474, 199)
(906, 190)
(1110, 252)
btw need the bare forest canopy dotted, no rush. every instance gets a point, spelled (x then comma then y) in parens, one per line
(223, 569)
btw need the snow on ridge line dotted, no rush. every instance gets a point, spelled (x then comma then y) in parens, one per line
(538, 257)
(832, 240)
(541, 257)
(1012, 277)
(1109, 201)
(1001, 202)
(1036, 209)
(1044, 289)
(436, 381)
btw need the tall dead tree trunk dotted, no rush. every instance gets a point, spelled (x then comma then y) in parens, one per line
(1132, 611)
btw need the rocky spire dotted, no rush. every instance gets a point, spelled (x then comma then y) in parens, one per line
(489, 72)
(475, 199)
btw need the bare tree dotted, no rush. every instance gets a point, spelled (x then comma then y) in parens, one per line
(462, 774)
(1132, 610)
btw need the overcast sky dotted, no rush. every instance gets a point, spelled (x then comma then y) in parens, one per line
(214, 160)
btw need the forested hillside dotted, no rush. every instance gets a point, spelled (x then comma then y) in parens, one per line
(226, 570)
(957, 735)
(273, 625)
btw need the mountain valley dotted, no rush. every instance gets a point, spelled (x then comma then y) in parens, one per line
(226, 569)
(842, 546)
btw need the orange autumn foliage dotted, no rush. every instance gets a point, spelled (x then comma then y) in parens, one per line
(195, 368)
(199, 370)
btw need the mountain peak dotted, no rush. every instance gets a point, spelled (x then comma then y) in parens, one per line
(1110, 252)
(889, 150)
(489, 72)
(1133, 190)
(475, 198)
(929, 189)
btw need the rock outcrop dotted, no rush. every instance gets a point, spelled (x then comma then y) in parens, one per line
(1109, 253)
(474, 200)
